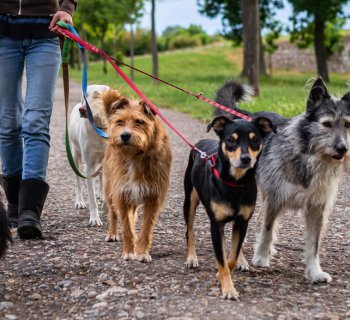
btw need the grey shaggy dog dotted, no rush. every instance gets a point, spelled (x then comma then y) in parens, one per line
(300, 168)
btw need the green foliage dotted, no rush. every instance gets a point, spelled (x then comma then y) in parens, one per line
(231, 13)
(204, 69)
(303, 22)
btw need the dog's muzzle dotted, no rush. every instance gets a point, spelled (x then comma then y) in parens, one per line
(125, 137)
(341, 150)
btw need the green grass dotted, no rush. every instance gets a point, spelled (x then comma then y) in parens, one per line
(204, 70)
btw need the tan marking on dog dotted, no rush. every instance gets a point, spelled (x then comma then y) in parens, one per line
(225, 279)
(246, 212)
(191, 246)
(235, 136)
(254, 154)
(234, 248)
(237, 173)
(221, 210)
(251, 135)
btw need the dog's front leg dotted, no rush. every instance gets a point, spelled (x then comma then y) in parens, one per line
(127, 217)
(265, 237)
(315, 219)
(150, 215)
(93, 208)
(224, 272)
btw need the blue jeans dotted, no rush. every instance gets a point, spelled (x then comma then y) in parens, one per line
(24, 123)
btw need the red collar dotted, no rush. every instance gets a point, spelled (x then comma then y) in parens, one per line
(213, 168)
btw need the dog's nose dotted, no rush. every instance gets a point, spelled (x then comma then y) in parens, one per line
(245, 158)
(341, 148)
(125, 136)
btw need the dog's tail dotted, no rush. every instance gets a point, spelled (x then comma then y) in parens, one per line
(229, 95)
(5, 234)
(233, 92)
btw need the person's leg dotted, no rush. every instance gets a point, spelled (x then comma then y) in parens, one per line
(11, 144)
(43, 60)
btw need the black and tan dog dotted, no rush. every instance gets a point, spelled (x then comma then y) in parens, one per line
(5, 234)
(225, 184)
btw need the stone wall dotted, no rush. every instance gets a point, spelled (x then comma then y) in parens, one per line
(289, 56)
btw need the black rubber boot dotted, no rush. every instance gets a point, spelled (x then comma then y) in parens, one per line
(11, 187)
(32, 196)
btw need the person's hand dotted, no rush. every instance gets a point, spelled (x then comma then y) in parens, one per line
(60, 15)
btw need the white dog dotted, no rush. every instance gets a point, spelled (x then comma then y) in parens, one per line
(88, 149)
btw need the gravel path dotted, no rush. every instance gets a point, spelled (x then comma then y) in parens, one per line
(75, 274)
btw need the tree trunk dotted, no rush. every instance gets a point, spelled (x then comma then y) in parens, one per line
(104, 65)
(132, 54)
(154, 43)
(262, 66)
(320, 48)
(251, 47)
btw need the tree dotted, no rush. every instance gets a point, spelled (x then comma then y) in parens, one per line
(311, 19)
(251, 36)
(154, 47)
(231, 13)
(99, 16)
(134, 10)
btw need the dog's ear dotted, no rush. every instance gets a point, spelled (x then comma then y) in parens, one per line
(147, 109)
(318, 94)
(112, 100)
(265, 125)
(218, 125)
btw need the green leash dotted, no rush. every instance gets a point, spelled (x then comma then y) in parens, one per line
(65, 70)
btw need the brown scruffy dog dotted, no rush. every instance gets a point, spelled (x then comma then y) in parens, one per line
(136, 170)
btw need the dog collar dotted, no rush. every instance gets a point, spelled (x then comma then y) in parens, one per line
(213, 168)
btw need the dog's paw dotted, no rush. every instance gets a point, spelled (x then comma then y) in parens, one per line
(191, 262)
(146, 257)
(260, 261)
(80, 205)
(128, 256)
(242, 264)
(273, 251)
(230, 294)
(112, 238)
(319, 277)
(95, 222)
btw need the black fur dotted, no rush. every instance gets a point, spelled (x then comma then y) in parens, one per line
(5, 234)
(239, 142)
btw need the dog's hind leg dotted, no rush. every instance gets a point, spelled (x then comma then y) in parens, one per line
(151, 212)
(315, 218)
(127, 217)
(224, 272)
(112, 234)
(93, 208)
(190, 206)
(79, 199)
(266, 235)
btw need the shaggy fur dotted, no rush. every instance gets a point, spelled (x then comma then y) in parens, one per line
(136, 170)
(300, 168)
(225, 185)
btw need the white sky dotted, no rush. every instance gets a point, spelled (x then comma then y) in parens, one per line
(185, 12)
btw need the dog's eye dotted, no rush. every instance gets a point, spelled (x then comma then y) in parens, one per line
(140, 122)
(347, 125)
(119, 123)
(255, 140)
(327, 124)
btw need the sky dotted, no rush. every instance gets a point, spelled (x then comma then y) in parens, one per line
(185, 12)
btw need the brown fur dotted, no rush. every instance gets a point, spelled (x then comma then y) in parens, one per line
(135, 172)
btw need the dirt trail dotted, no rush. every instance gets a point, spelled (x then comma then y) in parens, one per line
(75, 274)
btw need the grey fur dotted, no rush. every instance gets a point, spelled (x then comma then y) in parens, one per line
(300, 168)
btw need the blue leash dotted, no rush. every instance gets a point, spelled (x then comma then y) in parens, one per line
(84, 86)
